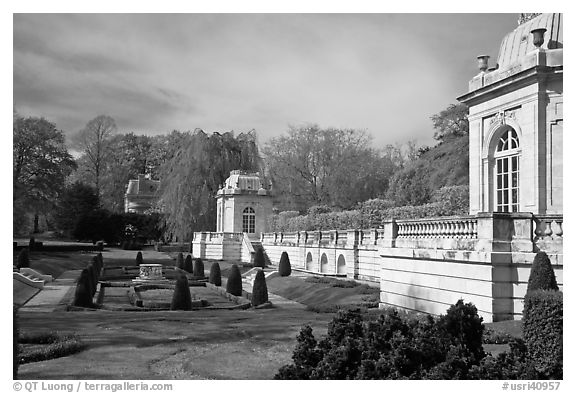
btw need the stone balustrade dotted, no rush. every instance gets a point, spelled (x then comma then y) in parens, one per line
(453, 227)
(549, 226)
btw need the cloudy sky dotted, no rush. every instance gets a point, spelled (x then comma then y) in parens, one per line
(387, 73)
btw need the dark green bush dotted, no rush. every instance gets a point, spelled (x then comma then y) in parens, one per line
(181, 299)
(83, 294)
(100, 259)
(188, 265)
(259, 289)
(284, 267)
(234, 283)
(259, 260)
(198, 268)
(542, 330)
(15, 337)
(390, 347)
(23, 258)
(93, 280)
(542, 274)
(63, 346)
(32, 244)
(139, 259)
(180, 261)
(215, 275)
(345, 284)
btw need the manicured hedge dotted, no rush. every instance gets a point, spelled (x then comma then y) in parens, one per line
(180, 261)
(188, 265)
(284, 267)
(215, 274)
(259, 289)
(259, 260)
(23, 259)
(139, 259)
(83, 294)
(234, 283)
(542, 330)
(542, 274)
(181, 299)
(198, 270)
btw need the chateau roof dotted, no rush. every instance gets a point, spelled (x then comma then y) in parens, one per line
(518, 43)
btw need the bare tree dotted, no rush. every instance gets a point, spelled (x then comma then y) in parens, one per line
(92, 141)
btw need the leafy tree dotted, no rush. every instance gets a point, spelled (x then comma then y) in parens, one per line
(193, 175)
(93, 142)
(41, 163)
(76, 200)
(451, 121)
(336, 167)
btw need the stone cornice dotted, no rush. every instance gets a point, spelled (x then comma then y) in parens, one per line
(513, 82)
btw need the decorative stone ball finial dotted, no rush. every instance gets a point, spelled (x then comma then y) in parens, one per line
(538, 37)
(483, 62)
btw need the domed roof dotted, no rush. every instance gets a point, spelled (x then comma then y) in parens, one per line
(518, 43)
(243, 181)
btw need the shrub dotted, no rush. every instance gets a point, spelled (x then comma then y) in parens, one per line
(198, 268)
(215, 274)
(62, 346)
(188, 265)
(83, 294)
(23, 258)
(284, 267)
(234, 283)
(542, 330)
(542, 274)
(139, 259)
(93, 280)
(181, 299)
(259, 260)
(101, 259)
(180, 261)
(463, 324)
(259, 289)
(32, 244)
(15, 334)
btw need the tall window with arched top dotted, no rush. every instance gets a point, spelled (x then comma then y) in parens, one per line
(248, 220)
(507, 168)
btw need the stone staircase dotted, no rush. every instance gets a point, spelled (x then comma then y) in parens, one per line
(257, 245)
(250, 275)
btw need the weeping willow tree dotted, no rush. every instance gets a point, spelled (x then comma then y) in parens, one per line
(191, 178)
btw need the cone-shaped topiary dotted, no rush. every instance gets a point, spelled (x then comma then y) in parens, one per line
(198, 268)
(180, 261)
(181, 299)
(32, 244)
(83, 294)
(97, 265)
(234, 283)
(101, 259)
(23, 258)
(542, 274)
(139, 259)
(15, 332)
(92, 279)
(215, 274)
(259, 260)
(284, 267)
(259, 289)
(188, 266)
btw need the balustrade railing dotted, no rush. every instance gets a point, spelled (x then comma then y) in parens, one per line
(548, 227)
(455, 227)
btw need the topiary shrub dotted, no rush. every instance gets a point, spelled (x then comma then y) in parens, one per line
(97, 265)
(100, 260)
(93, 280)
(23, 259)
(181, 299)
(259, 289)
(542, 330)
(32, 244)
(259, 260)
(180, 261)
(15, 336)
(139, 259)
(188, 266)
(284, 267)
(234, 283)
(215, 275)
(198, 268)
(542, 274)
(83, 294)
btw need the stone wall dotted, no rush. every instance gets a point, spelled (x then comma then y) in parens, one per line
(427, 265)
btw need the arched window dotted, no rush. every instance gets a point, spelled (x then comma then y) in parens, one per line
(249, 220)
(507, 168)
